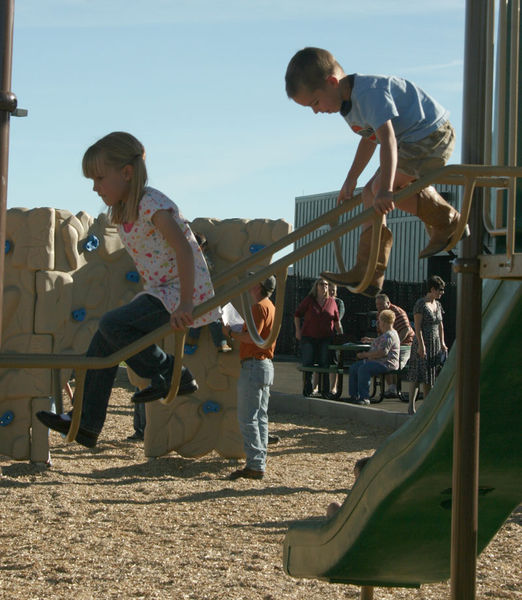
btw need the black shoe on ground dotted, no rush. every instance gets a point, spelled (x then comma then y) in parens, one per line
(135, 437)
(359, 401)
(274, 439)
(62, 424)
(247, 474)
(362, 401)
(187, 385)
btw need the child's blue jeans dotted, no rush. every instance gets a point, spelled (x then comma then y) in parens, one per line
(216, 332)
(116, 329)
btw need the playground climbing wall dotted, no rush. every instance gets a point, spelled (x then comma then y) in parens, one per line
(62, 272)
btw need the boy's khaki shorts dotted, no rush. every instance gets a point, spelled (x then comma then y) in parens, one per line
(430, 153)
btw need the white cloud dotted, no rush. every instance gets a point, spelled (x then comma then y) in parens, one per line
(434, 67)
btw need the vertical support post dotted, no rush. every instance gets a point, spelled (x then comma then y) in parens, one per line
(469, 301)
(6, 101)
(367, 592)
(57, 390)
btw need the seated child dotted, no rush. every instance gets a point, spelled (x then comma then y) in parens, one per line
(216, 327)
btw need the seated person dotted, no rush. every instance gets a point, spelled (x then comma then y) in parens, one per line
(382, 356)
(216, 332)
(216, 327)
(406, 334)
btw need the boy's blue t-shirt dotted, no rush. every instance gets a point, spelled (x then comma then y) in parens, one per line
(376, 99)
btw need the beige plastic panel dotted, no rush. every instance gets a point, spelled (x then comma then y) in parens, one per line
(207, 420)
(15, 438)
(49, 275)
(32, 233)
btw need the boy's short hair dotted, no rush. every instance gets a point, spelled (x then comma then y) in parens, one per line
(309, 68)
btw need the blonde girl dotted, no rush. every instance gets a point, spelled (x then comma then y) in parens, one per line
(173, 272)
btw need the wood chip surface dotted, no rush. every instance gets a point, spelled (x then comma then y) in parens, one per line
(108, 523)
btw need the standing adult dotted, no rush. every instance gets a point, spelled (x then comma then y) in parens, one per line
(320, 318)
(255, 379)
(428, 343)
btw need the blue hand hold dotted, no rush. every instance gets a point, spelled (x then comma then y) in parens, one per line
(256, 248)
(8, 246)
(132, 276)
(7, 418)
(91, 243)
(79, 314)
(211, 406)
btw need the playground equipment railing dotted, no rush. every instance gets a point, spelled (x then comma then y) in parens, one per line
(469, 176)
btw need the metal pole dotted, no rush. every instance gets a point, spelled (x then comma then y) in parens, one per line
(467, 402)
(366, 592)
(7, 105)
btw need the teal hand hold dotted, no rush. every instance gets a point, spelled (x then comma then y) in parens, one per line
(7, 418)
(91, 243)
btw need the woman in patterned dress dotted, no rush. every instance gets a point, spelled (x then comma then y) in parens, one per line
(428, 342)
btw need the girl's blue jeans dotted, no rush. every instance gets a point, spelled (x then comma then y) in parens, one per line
(116, 329)
(216, 332)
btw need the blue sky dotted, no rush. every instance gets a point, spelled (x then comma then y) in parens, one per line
(201, 84)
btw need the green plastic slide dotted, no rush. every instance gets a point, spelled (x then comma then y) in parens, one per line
(394, 526)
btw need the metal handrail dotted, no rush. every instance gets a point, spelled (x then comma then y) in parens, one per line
(484, 176)
(506, 128)
(78, 361)
(468, 175)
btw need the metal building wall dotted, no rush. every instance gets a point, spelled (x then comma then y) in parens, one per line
(408, 233)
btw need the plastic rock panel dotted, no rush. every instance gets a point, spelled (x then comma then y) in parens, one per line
(206, 420)
(62, 273)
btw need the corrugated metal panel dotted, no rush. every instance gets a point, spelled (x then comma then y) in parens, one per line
(408, 231)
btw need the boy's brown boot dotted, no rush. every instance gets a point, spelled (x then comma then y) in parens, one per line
(439, 217)
(355, 275)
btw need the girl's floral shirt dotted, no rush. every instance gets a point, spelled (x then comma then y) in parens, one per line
(155, 258)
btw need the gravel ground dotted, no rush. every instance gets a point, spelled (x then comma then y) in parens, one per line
(110, 524)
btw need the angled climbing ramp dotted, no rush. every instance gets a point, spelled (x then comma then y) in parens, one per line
(394, 528)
